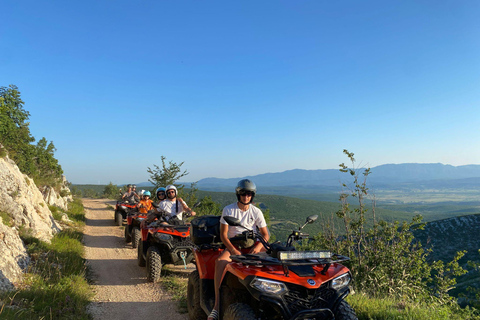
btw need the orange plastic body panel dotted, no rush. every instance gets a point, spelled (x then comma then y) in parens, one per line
(206, 262)
(276, 273)
(166, 230)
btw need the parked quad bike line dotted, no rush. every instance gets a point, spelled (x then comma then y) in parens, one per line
(120, 285)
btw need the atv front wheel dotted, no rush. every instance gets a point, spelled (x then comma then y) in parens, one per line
(195, 311)
(154, 264)
(119, 219)
(136, 237)
(140, 259)
(128, 237)
(238, 311)
(343, 311)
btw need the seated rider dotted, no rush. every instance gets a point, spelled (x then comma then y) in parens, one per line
(130, 196)
(161, 195)
(250, 217)
(146, 204)
(174, 207)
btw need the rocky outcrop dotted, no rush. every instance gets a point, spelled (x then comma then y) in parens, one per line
(24, 203)
(61, 199)
(14, 259)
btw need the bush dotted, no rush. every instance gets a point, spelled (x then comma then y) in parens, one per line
(385, 259)
(111, 191)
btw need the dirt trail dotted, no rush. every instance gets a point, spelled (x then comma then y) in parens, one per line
(120, 285)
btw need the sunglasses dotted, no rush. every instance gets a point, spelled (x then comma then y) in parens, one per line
(246, 193)
(161, 193)
(170, 192)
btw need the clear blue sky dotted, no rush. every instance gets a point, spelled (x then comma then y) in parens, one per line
(236, 88)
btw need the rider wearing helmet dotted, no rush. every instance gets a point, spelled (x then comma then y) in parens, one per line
(146, 204)
(250, 217)
(130, 196)
(161, 194)
(174, 206)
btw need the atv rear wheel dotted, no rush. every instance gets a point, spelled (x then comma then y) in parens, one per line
(119, 219)
(195, 311)
(154, 264)
(343, 311)
(140, 259)
(239, 311)
(128, 237)
(136, 237)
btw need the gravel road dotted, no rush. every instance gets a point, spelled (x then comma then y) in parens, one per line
(120, 285)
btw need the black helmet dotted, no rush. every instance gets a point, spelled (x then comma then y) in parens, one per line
(129, 186)
(243, 186)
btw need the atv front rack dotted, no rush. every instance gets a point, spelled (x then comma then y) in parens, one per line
(263, 259)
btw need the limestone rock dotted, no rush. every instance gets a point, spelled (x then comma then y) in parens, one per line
(14, 259)
(53, 198)
(24, 203)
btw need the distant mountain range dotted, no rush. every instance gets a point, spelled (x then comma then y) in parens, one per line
(431, 174)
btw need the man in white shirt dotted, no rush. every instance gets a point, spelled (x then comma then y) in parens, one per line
(250, 217)
(173, 206)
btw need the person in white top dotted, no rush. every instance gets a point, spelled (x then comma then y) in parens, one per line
(250, 217)
(173, 206)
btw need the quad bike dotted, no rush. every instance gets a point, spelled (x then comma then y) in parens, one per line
(122, 210)
(163, 243)
(281, 283)
(132, 229)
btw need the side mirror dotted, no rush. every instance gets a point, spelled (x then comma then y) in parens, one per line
(232, 221)
(312, 219)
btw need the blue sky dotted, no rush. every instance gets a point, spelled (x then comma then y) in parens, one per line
(236, 88)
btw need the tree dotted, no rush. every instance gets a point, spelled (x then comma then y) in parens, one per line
(166, 174)
(36, 161)
(111, 191)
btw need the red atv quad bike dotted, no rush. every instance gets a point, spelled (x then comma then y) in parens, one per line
(281, 283)
(164, 244)
(132, 229)
(122, 209)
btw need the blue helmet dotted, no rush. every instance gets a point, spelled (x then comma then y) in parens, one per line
(147, 193)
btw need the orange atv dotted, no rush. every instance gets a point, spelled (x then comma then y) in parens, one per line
(132, 229)
(122, 210)
(164, 244)
(281, 283)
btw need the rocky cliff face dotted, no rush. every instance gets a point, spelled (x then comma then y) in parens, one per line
(14, 259)
(22, 205)
(52, 198)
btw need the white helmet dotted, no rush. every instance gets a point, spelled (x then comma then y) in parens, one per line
(171, 187)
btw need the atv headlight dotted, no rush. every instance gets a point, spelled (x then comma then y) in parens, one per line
(268, 286)
(140, 219)
(299, 255)
(163, 236)
(341, 281)
(123, 207)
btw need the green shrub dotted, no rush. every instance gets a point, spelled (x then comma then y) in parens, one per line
(6, 219)
(385, 259)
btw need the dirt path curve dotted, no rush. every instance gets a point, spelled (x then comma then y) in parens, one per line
(120, 285)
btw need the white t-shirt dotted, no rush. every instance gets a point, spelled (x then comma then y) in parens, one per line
(170, 208)
(250, 218)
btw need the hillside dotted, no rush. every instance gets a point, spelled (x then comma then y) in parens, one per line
(287, 213)
(385, 176)
(447, 236)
